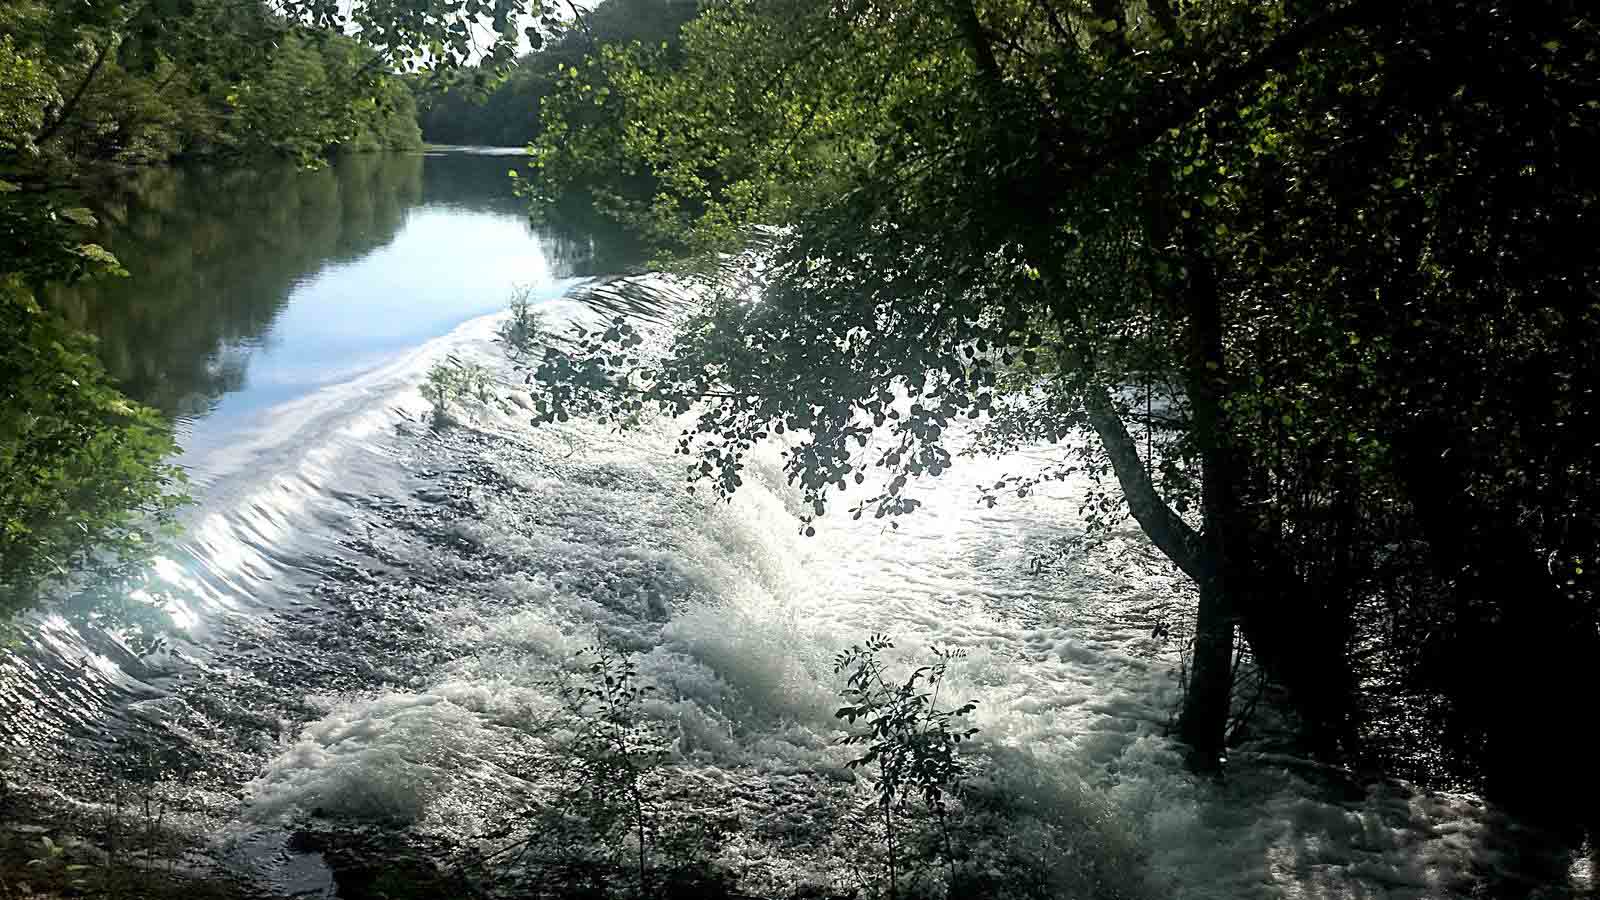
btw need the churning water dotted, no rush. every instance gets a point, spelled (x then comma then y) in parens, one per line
(373, 608)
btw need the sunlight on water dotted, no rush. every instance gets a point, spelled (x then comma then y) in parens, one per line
(377, 611)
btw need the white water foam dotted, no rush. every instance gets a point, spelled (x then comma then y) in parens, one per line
(735, 618)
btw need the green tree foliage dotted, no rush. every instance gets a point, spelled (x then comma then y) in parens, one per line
(88, 489)
(85, 488)
(1337, 243)
(219, 80)
(25, 92)
(914, 743)
(114, 83)
(618, 750)
(480, 106)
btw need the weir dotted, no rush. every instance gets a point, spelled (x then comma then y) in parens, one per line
(376, 612)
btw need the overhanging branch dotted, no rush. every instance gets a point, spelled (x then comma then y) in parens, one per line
(1171, 535)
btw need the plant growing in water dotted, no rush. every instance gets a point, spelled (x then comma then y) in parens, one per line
(522, 331)
(618, 751)
(608, 762)
(450, 381)
(913, 742)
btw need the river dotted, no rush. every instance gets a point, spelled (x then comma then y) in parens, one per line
(372, 609)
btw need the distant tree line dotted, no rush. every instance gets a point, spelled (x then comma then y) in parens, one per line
(479, 106)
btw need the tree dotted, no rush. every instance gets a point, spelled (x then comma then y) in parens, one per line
(1015, 212)
(85, 488)
(482, 106)
(89, 489)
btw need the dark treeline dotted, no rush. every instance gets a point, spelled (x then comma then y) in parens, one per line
(485, 108)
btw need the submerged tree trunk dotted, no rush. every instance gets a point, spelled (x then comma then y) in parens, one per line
(1207, 701)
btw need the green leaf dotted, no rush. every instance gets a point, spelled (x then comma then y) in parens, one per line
(80, 216)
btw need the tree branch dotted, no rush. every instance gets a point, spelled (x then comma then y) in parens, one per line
(1173, 536)
(1067, 38)
(583, 23)
(977, 41)
(71, 105)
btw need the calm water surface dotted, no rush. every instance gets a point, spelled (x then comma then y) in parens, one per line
(253, 289)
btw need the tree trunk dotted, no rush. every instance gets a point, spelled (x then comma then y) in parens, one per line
(1171, 535)
(1204, 720)
(1207, 556)
(1203, 723)
(71, 106)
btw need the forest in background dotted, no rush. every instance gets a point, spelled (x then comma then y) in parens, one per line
(501, 108)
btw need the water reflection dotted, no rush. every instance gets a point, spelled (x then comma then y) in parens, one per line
(250, 288)
(213, 257)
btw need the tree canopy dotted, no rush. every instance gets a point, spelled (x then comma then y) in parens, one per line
(1310, 276)
(480, 105)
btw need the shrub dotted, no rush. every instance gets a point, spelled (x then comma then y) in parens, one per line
(911, 740)
(521, 333)
(451, 381)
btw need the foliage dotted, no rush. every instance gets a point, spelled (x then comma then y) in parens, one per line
(912, 741)
(451, 381)
(482, 106)
(520, 334)
(613, 824)
(1318, 235)
(212, 81)
(618, 750)
(88, 490)
(25, 92)
(312, 96)
(617, 794)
